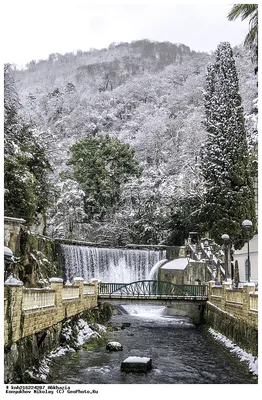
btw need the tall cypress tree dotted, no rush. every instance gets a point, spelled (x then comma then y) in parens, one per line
(229, 194)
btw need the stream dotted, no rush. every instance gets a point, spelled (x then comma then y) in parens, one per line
(181, 353)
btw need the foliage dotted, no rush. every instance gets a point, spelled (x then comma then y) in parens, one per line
(100, 165)
(67, 215)
(229, 195)
(145, 207)
(147, 95)
(248, 11)
(25, 162)
(185, 218)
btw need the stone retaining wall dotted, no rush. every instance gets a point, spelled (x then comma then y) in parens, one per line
(234, 313)
(28, 311)
(28, 351)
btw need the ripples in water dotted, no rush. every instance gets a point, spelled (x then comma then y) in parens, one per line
(180, 352)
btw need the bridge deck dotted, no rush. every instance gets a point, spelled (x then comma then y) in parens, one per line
(150, 297)
(152, 290)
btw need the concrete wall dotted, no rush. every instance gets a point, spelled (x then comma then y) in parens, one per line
(192, 309)
(196, 270)
(175, 276)
(28, 311)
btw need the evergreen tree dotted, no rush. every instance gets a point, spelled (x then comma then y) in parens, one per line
(185, 218)
(25, 163)
(100, 165)
(229, 195)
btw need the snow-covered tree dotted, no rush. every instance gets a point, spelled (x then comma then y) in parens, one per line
(67, 215)
(147, 95)
(225, 163)
(25, 162)
(100, 165)
(146, 200)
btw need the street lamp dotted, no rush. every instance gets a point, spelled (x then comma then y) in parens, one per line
(225, 238)
(247, 224)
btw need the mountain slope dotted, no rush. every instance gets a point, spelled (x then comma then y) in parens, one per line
(147, 94)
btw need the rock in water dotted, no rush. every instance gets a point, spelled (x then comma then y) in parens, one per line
(125, 325)
(136, 364)
(114, 346)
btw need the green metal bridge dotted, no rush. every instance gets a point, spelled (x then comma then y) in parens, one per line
(152, 289)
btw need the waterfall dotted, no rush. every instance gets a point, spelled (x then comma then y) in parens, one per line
(153, 273)
(145, 311)
(108, 265)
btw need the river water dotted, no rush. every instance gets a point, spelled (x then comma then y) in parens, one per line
(181, 353)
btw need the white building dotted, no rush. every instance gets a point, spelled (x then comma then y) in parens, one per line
(241, 257)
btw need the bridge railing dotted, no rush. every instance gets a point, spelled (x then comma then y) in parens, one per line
(151, 288)
(108, 288)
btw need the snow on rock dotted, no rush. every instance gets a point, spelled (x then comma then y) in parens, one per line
(67, 332)
(251, 360)
(39, 373)
(135, 359)
(80, 332)
(136, 364)
(75, 335)
(84, 332)
(114, 346)
(61, 351)
(101, 329)
(57, 280)
(251, 284)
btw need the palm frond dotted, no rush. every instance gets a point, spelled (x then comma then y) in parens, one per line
(242, 10)
(251, 37)
(247, 11)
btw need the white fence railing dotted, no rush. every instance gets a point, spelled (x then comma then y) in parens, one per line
(253, 301)
(70, 292)
(240, 302)
(88, 289)
(37, 298)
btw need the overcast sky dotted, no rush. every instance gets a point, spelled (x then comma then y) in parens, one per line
(35, 29)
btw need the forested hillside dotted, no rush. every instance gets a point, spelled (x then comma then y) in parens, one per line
(147, 99)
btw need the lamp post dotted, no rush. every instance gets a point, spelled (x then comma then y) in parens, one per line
(225, 238)
(247, 224)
